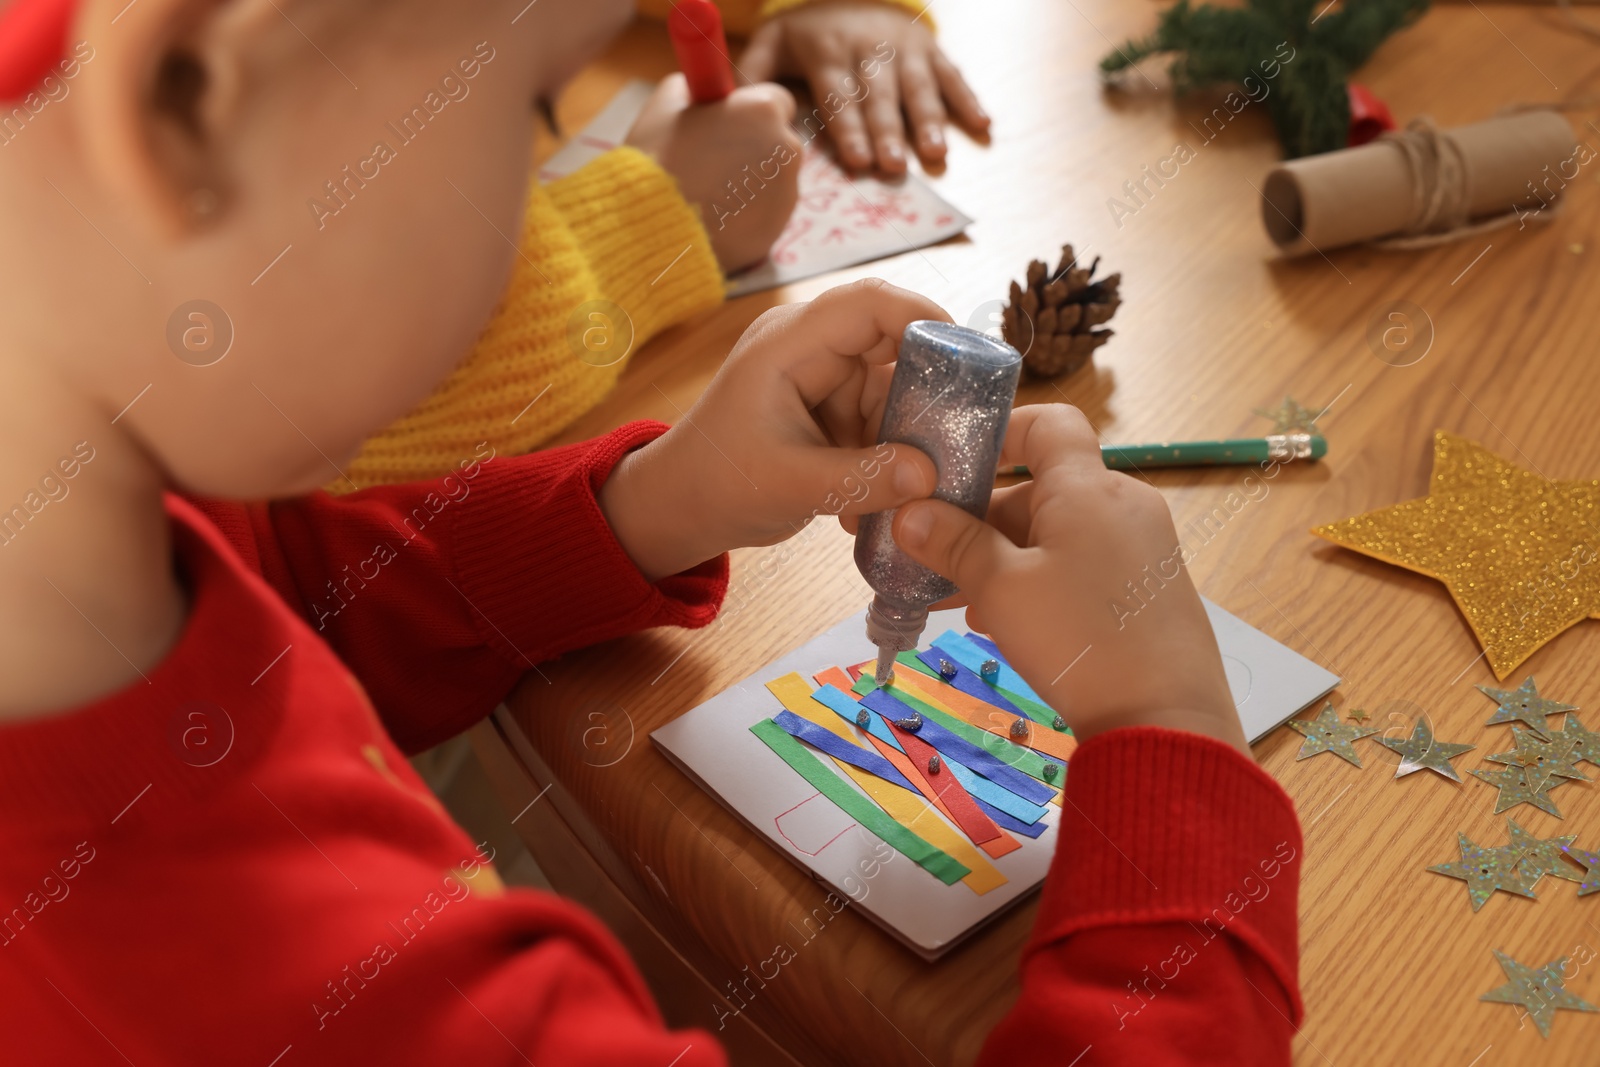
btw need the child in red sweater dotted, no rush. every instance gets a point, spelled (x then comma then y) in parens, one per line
(213, 848)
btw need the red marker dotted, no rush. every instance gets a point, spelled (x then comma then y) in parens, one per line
(696, 30)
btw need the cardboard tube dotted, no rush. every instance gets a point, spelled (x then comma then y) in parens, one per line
(1366, 193)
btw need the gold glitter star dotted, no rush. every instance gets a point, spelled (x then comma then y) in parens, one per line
(1510, 545)
(1486, 869)
(1420, 751)
(1538, 857)
(1524, 704)
(1360, 715)
(1514, 789)
(1543, 760)
(1290, 417)
(1540, 991)
(1326, 733)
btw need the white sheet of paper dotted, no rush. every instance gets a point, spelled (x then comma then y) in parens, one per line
(713, 744)
(840, 220)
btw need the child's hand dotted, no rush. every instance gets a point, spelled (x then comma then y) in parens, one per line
(875, 59)
(783, 432)
(1048, 578)
(746, 140)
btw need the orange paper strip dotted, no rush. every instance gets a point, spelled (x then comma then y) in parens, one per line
(975, 712)
(995, 847)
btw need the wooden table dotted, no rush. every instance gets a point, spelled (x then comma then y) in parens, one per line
(1212, 326)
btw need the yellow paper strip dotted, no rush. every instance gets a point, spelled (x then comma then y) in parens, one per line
(908, 809)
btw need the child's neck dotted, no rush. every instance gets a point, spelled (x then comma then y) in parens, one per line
(89, 602)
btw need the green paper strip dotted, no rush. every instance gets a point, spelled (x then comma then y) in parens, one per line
(941, 865)
(1038, 712)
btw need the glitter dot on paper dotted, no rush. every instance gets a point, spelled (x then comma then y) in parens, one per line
(1051, 770)
(989, 670)
(863, 717)
(1061, 724)
(1019, 727)
(933, 764)
(947, 670)
(1512, 546)
(912, 724)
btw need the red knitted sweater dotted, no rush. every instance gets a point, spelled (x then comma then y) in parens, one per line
(232, 862)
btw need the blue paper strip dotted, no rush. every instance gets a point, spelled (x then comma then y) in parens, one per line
(968, 651)
(950, 745)
(968, 682)
(869, 760)
(980, 787)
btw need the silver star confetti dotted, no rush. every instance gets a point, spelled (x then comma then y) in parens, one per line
(1421, 752)
(1537, 857)
(1590, 883)
(1524, 704)
(1543, 760)
(1514, 789)
(1540, 991)
(1585, 743)
(1485, 870)
(1290, 417)
(1326, 733)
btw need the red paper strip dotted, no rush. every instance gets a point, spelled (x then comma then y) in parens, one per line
(995, 848)
(974, 823)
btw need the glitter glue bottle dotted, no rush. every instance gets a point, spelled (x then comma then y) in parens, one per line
(951, 397)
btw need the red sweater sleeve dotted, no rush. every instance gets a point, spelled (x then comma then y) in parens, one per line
(440, 595)
(1167, 933)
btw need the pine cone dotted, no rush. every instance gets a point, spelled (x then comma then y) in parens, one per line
(1051, 320)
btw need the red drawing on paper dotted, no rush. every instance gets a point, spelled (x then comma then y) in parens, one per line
(810, 828)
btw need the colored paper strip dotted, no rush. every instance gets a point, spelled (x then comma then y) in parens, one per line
(974, 784)
(939, 864)
(1012, 686)
(988, 726)
(942, 784)
(969, 683)
(951, 745)
(982, 716)
(834, 676)
(971, 655)
(906, 805)
(837, 747)
(1000, 846)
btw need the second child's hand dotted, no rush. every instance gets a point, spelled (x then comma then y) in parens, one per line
(883, 62)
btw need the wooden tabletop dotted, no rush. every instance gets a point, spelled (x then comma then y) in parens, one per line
(1212, 326)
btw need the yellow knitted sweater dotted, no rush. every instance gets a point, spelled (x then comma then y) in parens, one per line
(610, 256)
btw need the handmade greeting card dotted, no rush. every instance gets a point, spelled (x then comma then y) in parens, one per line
(932, 803)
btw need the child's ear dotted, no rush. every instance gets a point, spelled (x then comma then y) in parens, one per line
(152, 103)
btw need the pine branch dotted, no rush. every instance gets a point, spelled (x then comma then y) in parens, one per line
(1308, 100)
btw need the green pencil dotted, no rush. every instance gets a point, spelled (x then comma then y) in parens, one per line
(1283, 447)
